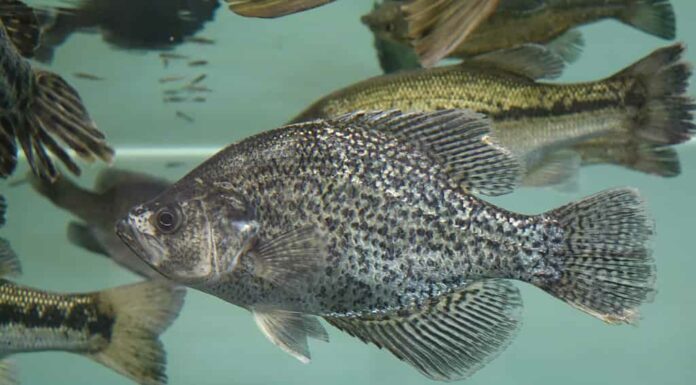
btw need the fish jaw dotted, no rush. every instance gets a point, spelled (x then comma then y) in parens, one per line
(134, 230)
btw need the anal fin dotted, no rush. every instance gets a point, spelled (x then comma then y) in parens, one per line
(289, 331)
(449, 338)
(556, 169)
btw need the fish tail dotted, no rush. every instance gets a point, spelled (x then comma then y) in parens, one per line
(57, 113)
(142, 312)
(655, 17)
(601, 263)
(661, 112)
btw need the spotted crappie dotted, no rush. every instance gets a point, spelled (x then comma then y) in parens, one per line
(118, 327)
(39, 109)
(517, 22)
(626, 119)
(114, 193)
(366, 221)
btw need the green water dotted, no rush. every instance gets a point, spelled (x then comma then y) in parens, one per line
(262, 72)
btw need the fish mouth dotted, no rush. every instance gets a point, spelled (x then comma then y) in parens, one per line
(144, 246)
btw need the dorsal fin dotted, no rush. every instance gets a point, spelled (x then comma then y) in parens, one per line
(458, 139)
(529, 60)
(21, 25)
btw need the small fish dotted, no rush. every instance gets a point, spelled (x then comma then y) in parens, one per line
(184, 116)
(548, 126)
(272, 8)
(87, 76)
(198, 63)
(200, 40)
(199, 99)
(174, 164)
(117, 327)
(367, 220)
(171, 92)
(170, 56)
(198, 79)
(174, 99)
(546, 22)
(114, 193)
(40, 111)
(169, 79)
(195, 88)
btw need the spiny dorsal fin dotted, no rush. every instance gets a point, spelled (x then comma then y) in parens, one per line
(568, 46)
(21, 25)
(272, 8)
(289, 331)
(458, 139)
(449, 338)
(436, 27)
(529, 60)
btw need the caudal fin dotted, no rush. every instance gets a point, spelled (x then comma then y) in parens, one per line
(142, 312)
(662, 112)
(604, 265)
(655, 17)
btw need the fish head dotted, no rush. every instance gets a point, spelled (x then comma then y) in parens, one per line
(191, 235)
(387, 21)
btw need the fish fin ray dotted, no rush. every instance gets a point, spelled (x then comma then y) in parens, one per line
(286, 259)
(558, 168)
(272, 8)
(142, 312)
(8, 147)
(8, 372)
(655, 17)
(529, 60)
(436, 27)
(9, 262)
(568, 46)
(79, 234)
(452, 336)
(665, 114)
(459, 139)
(22, 26)
(604, 265)
(289, 331)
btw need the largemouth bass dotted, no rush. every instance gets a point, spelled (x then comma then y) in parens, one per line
(118, 327)
(549, 126)
(114, 193)
(366, 220)
(546, 22)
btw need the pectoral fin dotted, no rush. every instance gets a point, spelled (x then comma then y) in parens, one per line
(436, 27)
(21, 25)
(8, 372)
(450, 338)
(287, 258)
(289, 331)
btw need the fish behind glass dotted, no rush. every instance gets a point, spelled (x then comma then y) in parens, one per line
(117, 327)
(627, 119)
(367, 221)
(517, 22)
(115, 192)
(39, 108)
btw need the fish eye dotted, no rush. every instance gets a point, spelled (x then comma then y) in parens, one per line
(389, 27)
(167, 220)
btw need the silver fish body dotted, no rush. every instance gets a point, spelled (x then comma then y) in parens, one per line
(367, 220)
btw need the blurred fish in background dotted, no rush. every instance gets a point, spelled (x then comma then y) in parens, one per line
(552, 23)
(126, 24)
(115, 192)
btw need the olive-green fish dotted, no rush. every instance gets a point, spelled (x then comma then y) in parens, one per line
(39, 111)
(625, 119)
(118, 327)
(546, 22)
(114, 193)
(366, 220)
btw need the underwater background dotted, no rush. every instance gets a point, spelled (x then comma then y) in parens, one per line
(262, 73)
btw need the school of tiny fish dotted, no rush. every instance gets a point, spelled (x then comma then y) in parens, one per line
(369, 210)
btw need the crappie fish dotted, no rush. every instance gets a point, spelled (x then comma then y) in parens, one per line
(639, 110)
(546, 22)
(115, 192)
(118, 327)
(433, 26)
(38, 108)
(366, 220)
